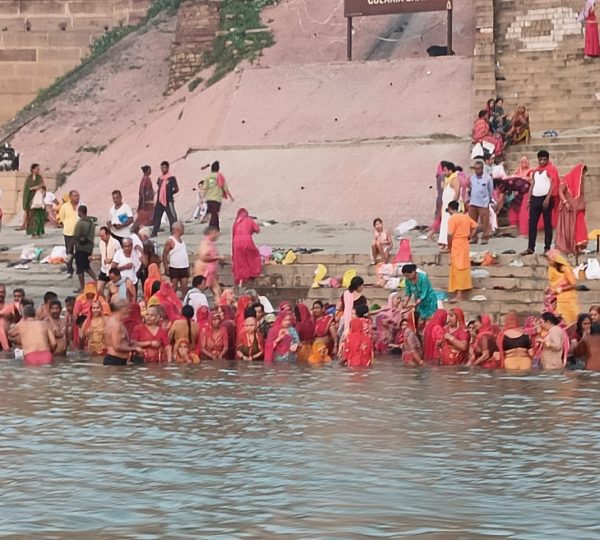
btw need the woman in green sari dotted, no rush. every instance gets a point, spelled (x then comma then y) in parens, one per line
(33, 202)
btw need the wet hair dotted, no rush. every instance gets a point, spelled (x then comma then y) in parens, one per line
(444, 164)
(580, 320)
(50, 295)
(453, 205)
(257, 305)
(250, 311)
(156, 287)
(70, 300)
(362, 311)
(482, 114)
(164, 164)
(188, 313)
(22, 291)
(197, 281)
(318, 303)
(355, 283)
(550, 317)
(409, 268)
(114, 272)
(29, 311)
(146, 169)
(595, 328)
(27, 302)
(543, 154)
(215, 167)
(34, 166)
(459, 168)
(116, 192)
(105, 229)
(55, 303)
(83, 209)
(376, 221)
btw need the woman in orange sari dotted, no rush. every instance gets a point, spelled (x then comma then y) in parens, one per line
(153, 277)
(455, 343)
(519, 126)
(571, 230)
(83, 309)
(562, 286)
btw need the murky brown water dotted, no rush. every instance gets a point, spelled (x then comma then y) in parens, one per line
(247, 452)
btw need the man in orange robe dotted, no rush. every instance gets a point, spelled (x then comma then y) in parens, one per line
(460, 229)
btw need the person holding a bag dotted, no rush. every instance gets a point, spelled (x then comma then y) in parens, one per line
(85, 233)
(214, 191)
(34, 193)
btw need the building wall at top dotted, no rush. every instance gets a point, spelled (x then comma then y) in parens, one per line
(41, 40)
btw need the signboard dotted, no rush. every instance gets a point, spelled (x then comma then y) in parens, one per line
(364, 8)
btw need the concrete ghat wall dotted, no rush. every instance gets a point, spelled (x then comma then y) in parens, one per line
(41, 40)
(197, 22)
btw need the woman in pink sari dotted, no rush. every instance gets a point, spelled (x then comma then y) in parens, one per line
(245, 256)
(519, 215)
(387, 323)
(571, 231)
(592, 39)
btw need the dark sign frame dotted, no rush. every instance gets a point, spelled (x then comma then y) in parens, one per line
(366, 8)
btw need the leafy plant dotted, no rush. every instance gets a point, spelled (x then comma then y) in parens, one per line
(237, 18)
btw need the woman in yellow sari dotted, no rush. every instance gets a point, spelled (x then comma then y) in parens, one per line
(562, 284)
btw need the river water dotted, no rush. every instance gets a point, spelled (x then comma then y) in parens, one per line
(223, 451)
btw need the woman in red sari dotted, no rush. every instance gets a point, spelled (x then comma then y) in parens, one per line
(325, 328)
(152, 338)
(484, 347)
(482, 133)
(145, 209)
(358, 346)
(214, 341)
(305, 326)
(134, 318)
(571, 230)
(455, 342)
(170, 302)
(244, 253)
(433, 334)
(592, 39)
(227, 314)
(203, 319)
(243, 303)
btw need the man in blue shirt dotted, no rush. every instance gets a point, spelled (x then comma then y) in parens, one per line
(482, 191)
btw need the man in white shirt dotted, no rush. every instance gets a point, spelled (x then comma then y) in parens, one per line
(195, 296)
(124, 261)
(108, 247)
(121, 217)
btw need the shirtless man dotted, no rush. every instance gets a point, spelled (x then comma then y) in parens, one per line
(119, 287)
(207, 262)
(43, 312)
(117, 340)
(58, 325)
(36, 338)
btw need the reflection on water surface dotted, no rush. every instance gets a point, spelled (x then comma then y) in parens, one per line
(225, 451)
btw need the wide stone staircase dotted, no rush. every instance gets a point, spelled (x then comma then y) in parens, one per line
(540, 64)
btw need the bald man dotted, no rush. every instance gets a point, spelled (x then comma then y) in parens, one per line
(176, 260)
